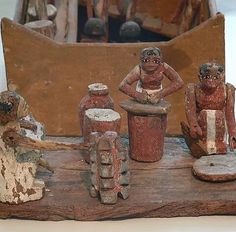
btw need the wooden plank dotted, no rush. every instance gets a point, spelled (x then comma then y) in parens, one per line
(163, 189)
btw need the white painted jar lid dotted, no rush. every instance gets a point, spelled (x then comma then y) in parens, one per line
(103, 115)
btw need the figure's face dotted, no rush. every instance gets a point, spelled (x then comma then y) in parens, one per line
(150, 63)
(211, 80)
(8, 108)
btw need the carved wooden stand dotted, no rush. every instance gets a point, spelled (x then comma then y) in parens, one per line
(147, 125)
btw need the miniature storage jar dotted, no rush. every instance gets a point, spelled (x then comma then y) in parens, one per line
(98, 97)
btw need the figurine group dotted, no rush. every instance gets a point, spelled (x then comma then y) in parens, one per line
(209, 107)
(209, 104)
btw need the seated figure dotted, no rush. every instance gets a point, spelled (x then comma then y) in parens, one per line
(209, 107)
(18, 165)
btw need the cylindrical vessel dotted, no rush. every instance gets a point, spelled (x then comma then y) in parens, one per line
(147, 126)
(146, 137)
(100, 120)
(98, 97)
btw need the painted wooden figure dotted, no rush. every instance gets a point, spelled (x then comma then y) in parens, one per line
(147, 115)
(18, 165)
(20, 151)
(209, 107)
(97, 12)
(130, 32)
(94, 31)
(149, 74)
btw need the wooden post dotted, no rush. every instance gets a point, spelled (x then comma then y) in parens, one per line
(21, 11)
(72, 21)
(61, 20)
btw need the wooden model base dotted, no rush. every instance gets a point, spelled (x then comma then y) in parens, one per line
(162, 189)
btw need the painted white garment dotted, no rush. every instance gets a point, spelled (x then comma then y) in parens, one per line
(139, 89)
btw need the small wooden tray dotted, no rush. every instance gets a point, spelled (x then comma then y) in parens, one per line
(163, 189)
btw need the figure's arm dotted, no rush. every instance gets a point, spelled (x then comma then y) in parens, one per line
(119, 4)
(89, 6)
(229, 114)
(179, 10)
(101, 9)
(13, 138)
(191, 111)
(176, 81)
(131, 11)
(125, 86)
(27, 125)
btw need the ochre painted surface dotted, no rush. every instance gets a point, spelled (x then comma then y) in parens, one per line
(53, 77)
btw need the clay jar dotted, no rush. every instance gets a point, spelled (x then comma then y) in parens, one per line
(98, 97)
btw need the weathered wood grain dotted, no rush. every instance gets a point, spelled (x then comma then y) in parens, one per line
(164, 189)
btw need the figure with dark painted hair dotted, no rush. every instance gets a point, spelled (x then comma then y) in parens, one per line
(130, 32)
(94, 31)
(149, 75)
(209, 107)
(98, 9)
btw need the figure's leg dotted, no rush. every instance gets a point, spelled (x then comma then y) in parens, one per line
(212, 123)
(194, 144)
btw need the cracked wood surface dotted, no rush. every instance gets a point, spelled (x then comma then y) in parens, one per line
(163, 189)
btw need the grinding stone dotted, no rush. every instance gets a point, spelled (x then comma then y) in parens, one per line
(215, 168)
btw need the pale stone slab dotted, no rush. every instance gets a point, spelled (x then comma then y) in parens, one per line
(216, 168)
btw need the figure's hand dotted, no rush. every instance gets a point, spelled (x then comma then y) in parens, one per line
(28, 125)
(11, 138)
(195, 131)
(232, 142)
(154, 98)
(141, 97)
